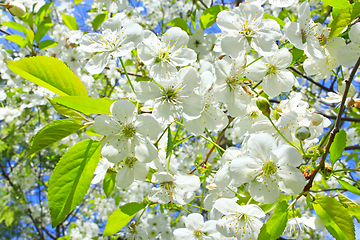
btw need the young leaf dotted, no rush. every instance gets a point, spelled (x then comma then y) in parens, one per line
(71, 178)
(120, 217)
(77, 1)
(338, 146)
(208, 18)
(169, 146)
(47, 44)
(179, 22)
(109, 183)
(99, 19)
(349, 187)
(70, 22)
(28, 19)
(275, 226)
(86, 105)
(54, 132)
(278, 20)
(41, 13)
(352, 207)
(14, 25)
(49, 73)
(193, 19)
(67, 112)
(337, 3)
(19, 40)
(344, 18)
(337, 220)
(42, 30)
(29, 36)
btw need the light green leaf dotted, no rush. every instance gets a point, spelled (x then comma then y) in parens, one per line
(278, 20)
(337, 3)
(77, 1)
(47, 44)
(67, 112)
(120, 217)
(208, 18)
(349, 187)
(338, 146)
(91, 132)
(54, 132)
(28, 19)
(86, 105)
(179, 22)
(297, 54)
(19, 40)
(352, 207)
(99, 19)
(14, 25)
(49, 73)
(109, 182)
(344, 18)
(70, 22)
(193, 19)
(41, 13)
(273, 228)
(42, 30)
(71, 178)
(29, 36)
(337, 220)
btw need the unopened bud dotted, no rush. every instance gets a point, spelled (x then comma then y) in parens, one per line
(302, 133)
(16, 8)
(264, 106)
(276, 115)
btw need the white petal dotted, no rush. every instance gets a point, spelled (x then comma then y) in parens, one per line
(146, 152)
(264, 192)
(147, 126)
(194, 221)
(286, 155)
(123, 111)
(124, 177)
(292, 181)
(245, 169)
(97, 63)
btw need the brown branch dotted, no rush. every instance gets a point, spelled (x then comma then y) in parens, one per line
(310, 79)
(355, 147)
(347, 119)
(335, 130)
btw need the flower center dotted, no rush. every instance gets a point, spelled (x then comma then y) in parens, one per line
(170, 95)
(198, 234)
(128, 131)
(271, 69)
(269, 168)
(129, 161)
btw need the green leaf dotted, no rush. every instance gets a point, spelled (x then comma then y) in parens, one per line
(54, 132)
(109, 182)
(49, 73)
(337, 220)
(169, 146)
(278, 20)
(28, 19)
(120, 217)
(70, 22)
(99, 19)
(91, 132)
(86, 105)
(297, 54)
(29, 36)
(179, 22)
(14, 25)
(41, 13)
(344, 18)
(338, 146)
(208, 18)
(67, 112)
(349, 187)
(352, 207)
(71, 178)
(337, 3)
(77, 1)
(47, 44)
(193, 19)
(42, 30)
(273, 228)
(19, 40)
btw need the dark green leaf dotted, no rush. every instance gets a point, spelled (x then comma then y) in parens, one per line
(42, 30)
(109, 182)
(54, 132)
(85, 105)
(70, 22)
(41, 13)
(120, 217)
(273, 228)
(169, 146)
(47, 44)
(71, 178)
(336, 218)
(352, 207)
(193, 19)
(208, 18)
(99, 19)
(338, 146)
(179, 22)
(297, 54)
(28, 19)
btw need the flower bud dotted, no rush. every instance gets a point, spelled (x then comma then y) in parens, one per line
(302, 133)
(276, 114)
(16, 8)
(264, 106)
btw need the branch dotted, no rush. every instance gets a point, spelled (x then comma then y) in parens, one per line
(348, 119)
(310, 79)
(355, 147)
(336, 127)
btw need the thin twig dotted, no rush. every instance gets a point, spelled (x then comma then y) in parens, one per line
(310, 79)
